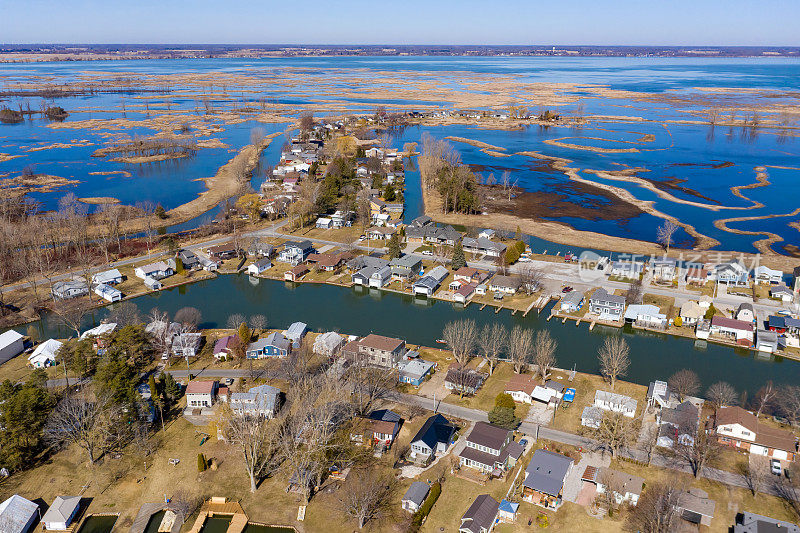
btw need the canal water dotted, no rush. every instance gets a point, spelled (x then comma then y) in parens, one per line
(98, 524)
(420, 321)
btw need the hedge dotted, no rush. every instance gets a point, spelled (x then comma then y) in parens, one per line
(427, 505)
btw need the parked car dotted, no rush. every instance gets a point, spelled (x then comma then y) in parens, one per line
(426, 252)
(523, 442)
(498, 296)
(229, 381)
(776, 468)
(565, 290)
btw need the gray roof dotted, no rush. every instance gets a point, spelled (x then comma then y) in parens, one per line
(417, 492)
(480, 515)
(407, 261)
(16, 513)
(754, 523)
(262, 397)
(546, 472)
(600, 294)
(488, 435)
(512, 282)
(362, 261)
(62, 509)
(273, 339)
(439, 273)
(697, 501)
(303, 245)
(482, 243)
(573, 297)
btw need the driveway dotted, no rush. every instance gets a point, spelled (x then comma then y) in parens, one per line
(434, 387)
(573, 483)
(539, 414)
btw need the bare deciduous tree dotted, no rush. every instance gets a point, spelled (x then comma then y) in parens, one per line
(616, 432)
(520, 346)
(721, 394)
(491, 341)
(753, 476)
(366, 496)
(255, 440)
(189, 317)
(234, 321)
(368, 385)
(258, 322)
(614, 357)
(544, 353)
(699, 451)
(789, 402)
(531, 277)
(86, 424)
(460, 336)
(666, 233)
(634, 293)
(765, 397)
(684, 383)
(656, 510)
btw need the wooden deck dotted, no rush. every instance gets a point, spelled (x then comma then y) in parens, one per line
(212, 508)
(147, 510)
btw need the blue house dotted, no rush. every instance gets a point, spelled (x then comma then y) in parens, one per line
(273, 345)
(414, 371)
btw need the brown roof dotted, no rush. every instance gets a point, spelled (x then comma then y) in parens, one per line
(379, 342)
(488, 435)
(736, 415)
(300, 269)
(200, 387)
(467, 272)
(384, 427)
(521, 382)
(768, 436)
(731, 323)
(589, 474)
(620, 481)
(222, 248)
(332, 260)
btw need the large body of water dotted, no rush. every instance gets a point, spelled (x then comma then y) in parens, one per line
(420, 321)
(693, 162)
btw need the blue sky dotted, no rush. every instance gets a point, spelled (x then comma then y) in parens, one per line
(605, 22)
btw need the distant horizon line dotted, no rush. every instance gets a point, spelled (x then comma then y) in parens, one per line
(396, 45)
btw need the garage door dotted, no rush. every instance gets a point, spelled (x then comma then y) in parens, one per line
(780, 454)
(755, 449)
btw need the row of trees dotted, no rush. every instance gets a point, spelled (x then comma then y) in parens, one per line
(441, 169)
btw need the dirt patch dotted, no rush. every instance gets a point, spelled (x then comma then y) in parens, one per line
(476, 143)
(123, 173)
(559, 142)
(99, 200)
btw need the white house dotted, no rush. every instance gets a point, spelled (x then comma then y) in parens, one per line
(625, 487)
(157, 270)
(767, 276)
(328, 343)
(61, 513)
(11, 345)
(571, 302)
(45, 354)
(152, 284)
(781, 292)
(18, 515)
(324, 223)
(102, 329)
(617, 403)
(259, 267)
(108, 293)
(201, 393)
(109, 277)
(645, 315)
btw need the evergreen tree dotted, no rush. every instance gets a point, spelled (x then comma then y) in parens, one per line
(459, 260)
(179, 268)
(201, 463)
(389, 193)
(394, 247)
(171, 388)
(161, 212)
(505, 400)
(503, 417)
(244, 334)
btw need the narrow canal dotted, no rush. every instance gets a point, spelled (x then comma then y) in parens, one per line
(420, 321)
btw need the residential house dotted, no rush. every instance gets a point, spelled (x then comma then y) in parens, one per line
(73, 288)
(678, 425)
(342, 219)
(463, 380)
(208, 265)
(617, 403)
(329, 262)
(375, 431)
(380, 233)
(664, 270)
(764, 275)
(745, 312)
(732, 273)
(259, 248)
(201, 393)
(507, 512)
(480, 516)
(431, 281)
(697, 274)
(571, 302)
(414, 371)
(432, 439)
(108, 277)
(273, 345)
(295, 252)
(324, 223)
(695, 507)
(12, 344)
(736, 330)
(153, 284)
(415, 496)
(442, 235)
(464, 293)
(18, 515)
(296, 273)
(592, 417)
(741, 429)
(380, 278)
(544, 478)
(376, 350)
(626, 269)
(295, 332)
(223, 348)
(787, 327)
(223, 251)
(261, 401)
(259, 267)
(405, 268)
(468, 274)
(107, 292)
(483, 246)
(61, 513)
(625, 487)
(360, 262)
(645, 315)
(44, 355)
(521, 387)
(767, 341)
(328, 343)
(505, 284)
(659, 395)
(188, 259)
(490, 448)
(607, 306)
(748, 522)
(186, 344)
(691, 313)
(487, 233)
(157, 270)
(781, 292)
(99, 332)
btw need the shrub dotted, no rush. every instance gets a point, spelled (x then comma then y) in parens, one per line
(201, 463)
(711, 312)
(504, 400)
(678, 321)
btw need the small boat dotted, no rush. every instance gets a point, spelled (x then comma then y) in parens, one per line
(441, 341)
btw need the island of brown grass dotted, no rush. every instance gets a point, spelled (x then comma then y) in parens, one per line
(762, 245)
(559, 142)
(40, 183)
(123, 173)
(9, 157)
(99, 200)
